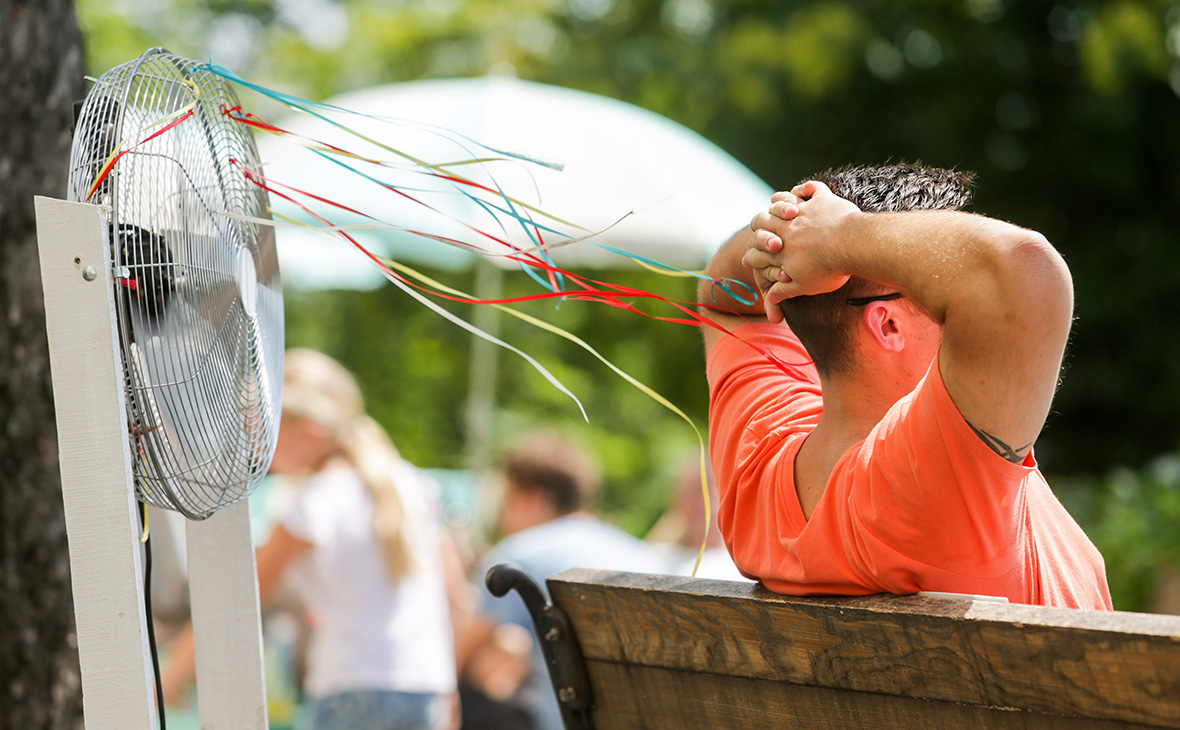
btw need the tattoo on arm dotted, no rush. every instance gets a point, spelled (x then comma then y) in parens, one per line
(1001, 448)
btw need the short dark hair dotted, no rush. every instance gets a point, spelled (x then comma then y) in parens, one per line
(548, 463)
(825, 323)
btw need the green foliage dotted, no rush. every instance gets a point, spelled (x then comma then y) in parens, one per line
(1124, 41)
(1067, 109)
(826, 42)
(414, 368)
(411, 367)
(1132, 516)
(639, 442)
(111, 39)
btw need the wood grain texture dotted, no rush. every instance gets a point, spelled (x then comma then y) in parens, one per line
(97, 489)
(1111, 666)
(653, 698)
(227, 625)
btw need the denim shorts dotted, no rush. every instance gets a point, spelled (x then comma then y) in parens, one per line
(375, 710)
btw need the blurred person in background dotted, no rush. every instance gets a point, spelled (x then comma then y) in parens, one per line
(550, 486)
(363, 546)
(680, 532)
(493, 660)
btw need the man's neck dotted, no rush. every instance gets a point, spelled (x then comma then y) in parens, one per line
(852, 407)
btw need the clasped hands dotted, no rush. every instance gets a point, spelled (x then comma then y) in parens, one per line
(796, 248)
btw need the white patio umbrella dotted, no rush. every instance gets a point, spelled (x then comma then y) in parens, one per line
(652, 186)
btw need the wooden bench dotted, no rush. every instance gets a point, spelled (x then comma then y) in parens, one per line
(679, 653)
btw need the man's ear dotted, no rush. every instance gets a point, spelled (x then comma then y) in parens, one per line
(884, 327)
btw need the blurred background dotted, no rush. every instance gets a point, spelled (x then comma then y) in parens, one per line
(1068, 112)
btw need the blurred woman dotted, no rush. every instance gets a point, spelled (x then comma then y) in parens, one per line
(362, 548)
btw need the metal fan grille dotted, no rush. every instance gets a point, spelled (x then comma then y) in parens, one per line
(198, 295)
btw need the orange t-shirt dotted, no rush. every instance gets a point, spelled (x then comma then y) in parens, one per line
(922, 504)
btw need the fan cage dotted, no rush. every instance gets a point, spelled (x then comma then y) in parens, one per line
(198, 294)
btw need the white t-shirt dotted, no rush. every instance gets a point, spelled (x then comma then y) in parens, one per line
(368, 633)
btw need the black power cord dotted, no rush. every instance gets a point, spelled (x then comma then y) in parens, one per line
(147, 607)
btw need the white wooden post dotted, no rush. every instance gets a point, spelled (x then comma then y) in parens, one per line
(102, 525)
(101, 511)
(227, 629)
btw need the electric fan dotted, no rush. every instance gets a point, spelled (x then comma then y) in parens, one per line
(198, 296)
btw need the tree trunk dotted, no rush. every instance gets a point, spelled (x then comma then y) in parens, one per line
(41, 75)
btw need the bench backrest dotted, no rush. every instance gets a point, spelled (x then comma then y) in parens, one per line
(682, 653)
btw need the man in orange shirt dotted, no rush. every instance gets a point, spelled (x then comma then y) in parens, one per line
(881, 440)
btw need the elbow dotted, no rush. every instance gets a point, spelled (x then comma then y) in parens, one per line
(1042, 283)
(1036, 247)
(1043, 266)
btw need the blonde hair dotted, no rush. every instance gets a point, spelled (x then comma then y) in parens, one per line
(318, 388)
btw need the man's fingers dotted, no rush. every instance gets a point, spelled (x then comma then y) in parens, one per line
(757, 260)
(808, 190)
(782, 290)
(770, 274)
(761, 280)
(804, 190)
(762, 220)
(774, 312)
(785, 210)
(766, 241)
(778, 212)
(764, 263)
(774, 273)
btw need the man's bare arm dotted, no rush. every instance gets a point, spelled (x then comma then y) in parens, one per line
(726, 266)
(1002, 293)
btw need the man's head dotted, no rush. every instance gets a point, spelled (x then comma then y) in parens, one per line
(826, 324)
(545, 477)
